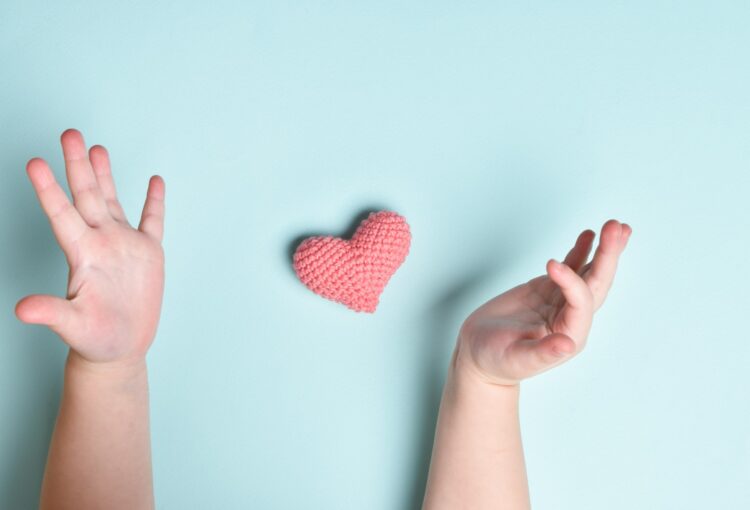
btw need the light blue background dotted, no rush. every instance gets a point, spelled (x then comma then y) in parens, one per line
(500, 132)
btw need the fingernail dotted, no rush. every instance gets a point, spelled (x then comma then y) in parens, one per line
(560, 353)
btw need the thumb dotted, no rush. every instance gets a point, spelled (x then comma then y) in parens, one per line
(51, 311)
(534, 356)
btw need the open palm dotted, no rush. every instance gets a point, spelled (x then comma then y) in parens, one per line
(545, 321)
(116, 276)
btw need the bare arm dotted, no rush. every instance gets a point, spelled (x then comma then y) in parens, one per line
(100, 455)
(477, 460)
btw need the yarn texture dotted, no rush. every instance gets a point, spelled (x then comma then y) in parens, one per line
(355, 272)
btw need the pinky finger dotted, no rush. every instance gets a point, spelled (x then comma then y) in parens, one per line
(152, 218)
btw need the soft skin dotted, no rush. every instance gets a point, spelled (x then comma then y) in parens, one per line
(100, 455)
(477, 460)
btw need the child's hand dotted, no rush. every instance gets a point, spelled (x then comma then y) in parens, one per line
(116, 272)
(545, 321)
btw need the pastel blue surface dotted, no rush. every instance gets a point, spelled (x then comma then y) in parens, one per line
(500, 132)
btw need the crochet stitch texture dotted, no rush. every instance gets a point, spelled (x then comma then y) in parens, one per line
(355, 272)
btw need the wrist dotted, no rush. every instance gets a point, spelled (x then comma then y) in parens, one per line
(466, 383)
(119, 370)
(463, 368)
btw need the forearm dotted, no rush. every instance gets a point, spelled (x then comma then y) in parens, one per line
(477, 460)
(100, 454)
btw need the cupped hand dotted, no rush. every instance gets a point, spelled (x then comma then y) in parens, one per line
(545, 321)
(116, 276)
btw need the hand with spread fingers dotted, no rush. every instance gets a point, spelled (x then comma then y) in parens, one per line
(545, 321)
(477, 457)
(116, 279)
(100, 452)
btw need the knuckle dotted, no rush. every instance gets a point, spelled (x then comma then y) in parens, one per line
(64, 208)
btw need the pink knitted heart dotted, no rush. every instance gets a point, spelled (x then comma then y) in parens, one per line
(354, 272)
